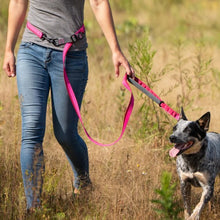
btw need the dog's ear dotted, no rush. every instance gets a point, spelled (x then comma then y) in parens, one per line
(182, 115)
(204, 121)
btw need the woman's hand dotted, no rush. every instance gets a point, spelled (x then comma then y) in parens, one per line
(9, 64)
(120, 60)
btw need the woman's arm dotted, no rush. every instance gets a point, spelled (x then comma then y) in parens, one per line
(103, 14)
(16, 15)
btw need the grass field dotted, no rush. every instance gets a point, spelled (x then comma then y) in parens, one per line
(174, 46)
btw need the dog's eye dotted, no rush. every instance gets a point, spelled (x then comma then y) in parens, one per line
(187, 129)
(174, 128)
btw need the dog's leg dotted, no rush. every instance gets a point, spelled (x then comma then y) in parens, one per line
(186, 194)
(206, 196)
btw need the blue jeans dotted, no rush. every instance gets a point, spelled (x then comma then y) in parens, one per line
(40, 70)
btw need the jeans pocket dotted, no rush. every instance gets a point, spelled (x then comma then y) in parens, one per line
(26, 44)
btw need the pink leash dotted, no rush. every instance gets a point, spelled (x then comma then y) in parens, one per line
(76, 106)
(136, 82)
(145, 89)
(68, 43)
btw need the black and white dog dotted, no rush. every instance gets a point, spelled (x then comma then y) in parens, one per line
(198, 159)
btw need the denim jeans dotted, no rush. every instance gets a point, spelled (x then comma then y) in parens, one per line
(40, 70)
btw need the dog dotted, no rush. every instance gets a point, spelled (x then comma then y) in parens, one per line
(198, 160)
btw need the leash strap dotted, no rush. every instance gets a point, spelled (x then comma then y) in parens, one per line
(68, 43)
(145, 89)
(57, 41)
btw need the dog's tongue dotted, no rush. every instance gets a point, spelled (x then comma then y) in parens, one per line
(174, 151)
(178, 147)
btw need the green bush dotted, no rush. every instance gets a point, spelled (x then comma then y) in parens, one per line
(168, 208)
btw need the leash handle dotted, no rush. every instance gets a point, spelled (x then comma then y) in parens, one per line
(145, 89)
(151, 94)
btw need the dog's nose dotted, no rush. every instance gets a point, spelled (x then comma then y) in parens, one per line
(172, 138)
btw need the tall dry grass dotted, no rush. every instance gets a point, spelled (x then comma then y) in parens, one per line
(185, 35)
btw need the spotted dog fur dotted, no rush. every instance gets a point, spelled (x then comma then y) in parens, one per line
(198, 160)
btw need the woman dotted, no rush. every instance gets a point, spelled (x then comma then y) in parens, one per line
(39, 68)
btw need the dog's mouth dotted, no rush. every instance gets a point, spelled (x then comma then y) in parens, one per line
(179, 148)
